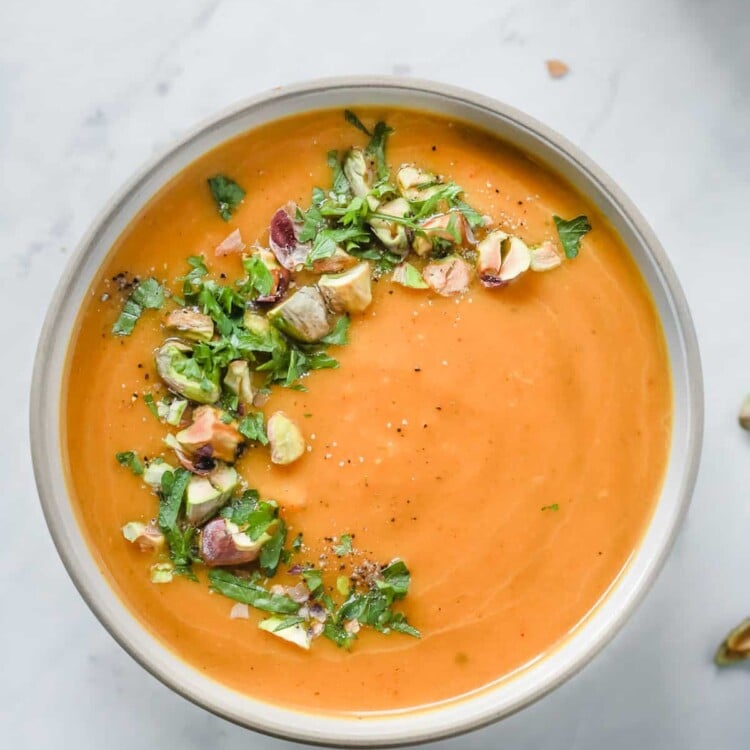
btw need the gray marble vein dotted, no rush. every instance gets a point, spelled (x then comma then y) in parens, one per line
(658, 94)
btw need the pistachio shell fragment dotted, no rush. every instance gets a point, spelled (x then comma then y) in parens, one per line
(303, 316)
(190, 324)
(171, 361)
(451, 227)
(448, 276)
(744, 415)
(210, 436)
(285, 439)
(297, 634)
(392, 234)
(223, 543)
(239, 380)
(736, 646)
(144, 536)
(544, 257)
(350, 291)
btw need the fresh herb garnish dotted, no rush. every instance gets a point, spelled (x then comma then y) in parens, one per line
(148, 399)
(339, 336)
(352, 119)
(554, 506)
(173, 486)
(571, 232)
(131, 461)
(249, 592)
(253, 428)
(148, 294)
(344, 547)
(270, 553)
(226, 193)
(259, 280)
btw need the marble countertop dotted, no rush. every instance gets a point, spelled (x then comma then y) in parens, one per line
(658, 94)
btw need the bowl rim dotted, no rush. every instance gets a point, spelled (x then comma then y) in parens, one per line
(431, 731)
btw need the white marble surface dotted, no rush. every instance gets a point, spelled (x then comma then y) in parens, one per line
(658, 94)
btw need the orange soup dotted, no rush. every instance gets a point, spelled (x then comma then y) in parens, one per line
(442, 365)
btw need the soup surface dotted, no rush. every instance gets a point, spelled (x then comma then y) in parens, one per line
(508, 443)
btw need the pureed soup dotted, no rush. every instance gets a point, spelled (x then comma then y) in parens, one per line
(366, 411)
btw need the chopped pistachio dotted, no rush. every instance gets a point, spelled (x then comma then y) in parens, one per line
(256, 323)
(239, 380)
(210, 436)
(145, 537)
(171, 361)
(297, 633)
(544, 257)
(406, 275)
(202, 500)
(490, 257)
(416, 184)
(350, 291)
(339, 261)
(190, 324)
(736, 646)
(154, 472)
(450, 227)
(448, 276)
(303, 316)
(223, 543)
(285, 439)
(392, 234)
(162, 572)
(516, 261)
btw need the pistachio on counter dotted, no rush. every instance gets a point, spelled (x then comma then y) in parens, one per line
(736, 646)
(744, 416)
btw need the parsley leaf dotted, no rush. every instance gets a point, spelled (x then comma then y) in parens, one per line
(554, 506)
(339, 336)
(248, 592)
(148, 399)
(173, 486)
(407, 275)
(340, 183)
(270, 552)
(376, 147)
(352, 119)
(241, 508)
(395, 579)
(571, 232)
(344, 547)
(131, 461)
(297, 542)
(253, 428)
(259, 280)
(226, 193)
(148, 294)
(314, 579)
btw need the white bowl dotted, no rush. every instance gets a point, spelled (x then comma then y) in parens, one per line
(534, 680)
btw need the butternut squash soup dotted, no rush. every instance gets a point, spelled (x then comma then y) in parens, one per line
(366, 411)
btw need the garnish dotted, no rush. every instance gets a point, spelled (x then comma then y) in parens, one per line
(148, 294)
(571, 232)
(229, 343)
(344, 547)
(131, 461)
(226, 193)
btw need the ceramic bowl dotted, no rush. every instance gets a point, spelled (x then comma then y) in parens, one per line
(534, 680)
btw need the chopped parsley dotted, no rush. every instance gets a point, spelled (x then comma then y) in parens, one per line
(344, 547)
(571, 232)
(253, 427)
(248, 591)
(148, 294)
(554, 506)
(226, 193)
(130, 460)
